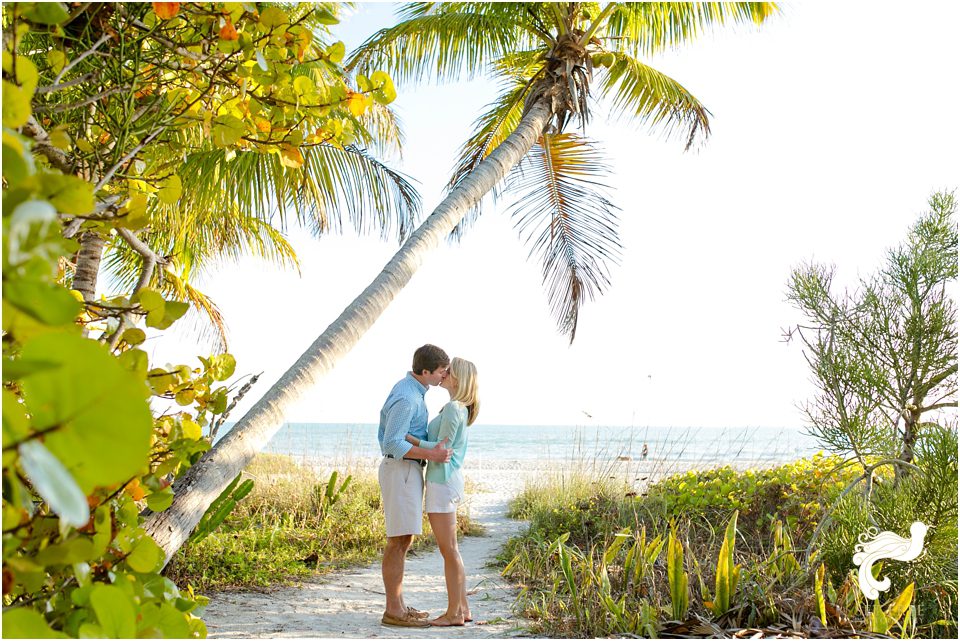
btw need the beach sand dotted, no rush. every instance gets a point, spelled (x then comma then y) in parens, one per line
(349, 604)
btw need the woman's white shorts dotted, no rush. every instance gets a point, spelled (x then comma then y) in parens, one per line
(401, 486)
(444, 497)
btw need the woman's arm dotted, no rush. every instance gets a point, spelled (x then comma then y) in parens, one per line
(422, 442)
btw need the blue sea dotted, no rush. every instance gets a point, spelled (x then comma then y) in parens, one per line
(682, 447)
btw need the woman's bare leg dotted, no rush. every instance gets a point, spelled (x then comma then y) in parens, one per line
(444, 526)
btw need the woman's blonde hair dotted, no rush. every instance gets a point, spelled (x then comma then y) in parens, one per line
(466, 374)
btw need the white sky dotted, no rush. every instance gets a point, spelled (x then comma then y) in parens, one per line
(831, 128)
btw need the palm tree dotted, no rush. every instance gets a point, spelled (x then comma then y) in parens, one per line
(550, 56)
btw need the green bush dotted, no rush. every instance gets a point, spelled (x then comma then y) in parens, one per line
(929, 496)
(592, 560)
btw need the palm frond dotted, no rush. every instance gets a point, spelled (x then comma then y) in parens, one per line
(204, 321)
(492, 128)
(194, 247)
(647, 28)
(379, 129)
(563, 214)
(639, 92)
(350, 181)
(332, 183)
(441, 47)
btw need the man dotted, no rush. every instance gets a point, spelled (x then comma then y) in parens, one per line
(401, 474)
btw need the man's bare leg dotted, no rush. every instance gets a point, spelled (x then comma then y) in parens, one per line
(394, 556)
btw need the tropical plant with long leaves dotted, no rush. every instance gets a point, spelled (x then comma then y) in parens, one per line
(552, 58)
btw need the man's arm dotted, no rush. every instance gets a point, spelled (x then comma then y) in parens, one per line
(395, 429)
(429, 446)
(395, 432)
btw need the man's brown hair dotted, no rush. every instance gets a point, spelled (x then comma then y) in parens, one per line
(429, 357)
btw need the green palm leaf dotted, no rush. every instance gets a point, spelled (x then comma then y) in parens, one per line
(332, 183)
(442, 46)
(492, 128)
(191, 248)
(647, 28)
(639, 92)
(562, 213)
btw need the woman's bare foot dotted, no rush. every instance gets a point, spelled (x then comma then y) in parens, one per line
(445, 620)
(467, 617)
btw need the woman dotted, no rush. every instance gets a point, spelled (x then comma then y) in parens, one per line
(445, 482)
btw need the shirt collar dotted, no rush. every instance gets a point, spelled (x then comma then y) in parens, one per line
(420, 386)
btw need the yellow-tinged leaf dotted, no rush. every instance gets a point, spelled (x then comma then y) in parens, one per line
(16, 105)
(57, 60)
(191, 429)
(229, 32)
(291, 157)
(356, 103)
(166, 10)
(902, 602)
(171, 191)
(303, 85)
(273, 17)
(60, 139)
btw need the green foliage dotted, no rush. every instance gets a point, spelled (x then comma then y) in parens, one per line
(617, 564)
(186, 126)
(677, 578)
(221, 508)
(885, 356)
(728, 572)
(796, 492)
(278, 532)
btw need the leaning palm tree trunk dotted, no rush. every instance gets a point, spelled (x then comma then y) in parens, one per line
(204, 482)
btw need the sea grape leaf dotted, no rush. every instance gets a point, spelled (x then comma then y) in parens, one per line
(54, 483)
(104, 425)
(146, 556)
(26, 623)
(114, 611)
(45, 302)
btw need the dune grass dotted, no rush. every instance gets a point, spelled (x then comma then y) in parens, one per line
(709, 552)
(288, 529)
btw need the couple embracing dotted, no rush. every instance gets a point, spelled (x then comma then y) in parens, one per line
(411, 445)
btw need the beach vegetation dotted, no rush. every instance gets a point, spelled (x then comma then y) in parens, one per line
(553, 58)
(884, 356)
(672, 570)
(292, 526)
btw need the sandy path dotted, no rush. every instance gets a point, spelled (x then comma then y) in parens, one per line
(349, 604)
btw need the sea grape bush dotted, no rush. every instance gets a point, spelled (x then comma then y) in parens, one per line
(84, 457)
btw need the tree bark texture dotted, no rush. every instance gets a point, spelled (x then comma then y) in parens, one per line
(204, 482)
(88, 264)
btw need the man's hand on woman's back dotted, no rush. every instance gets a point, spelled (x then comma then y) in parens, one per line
(440, 454)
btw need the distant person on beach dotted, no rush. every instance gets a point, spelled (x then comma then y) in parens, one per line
(401, 474)
(445, 485)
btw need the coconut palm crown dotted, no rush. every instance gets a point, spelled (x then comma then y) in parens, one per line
(574, 57)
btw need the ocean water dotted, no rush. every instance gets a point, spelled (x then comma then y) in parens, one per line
(680, 447)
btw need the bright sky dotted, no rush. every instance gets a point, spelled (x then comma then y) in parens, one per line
(831, 128)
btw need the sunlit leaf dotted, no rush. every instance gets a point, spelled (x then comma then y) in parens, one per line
(54, 483)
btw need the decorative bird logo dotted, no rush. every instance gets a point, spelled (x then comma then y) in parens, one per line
(885, 545)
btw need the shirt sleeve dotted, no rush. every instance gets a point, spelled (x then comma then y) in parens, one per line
(396, 428)
(449, 423)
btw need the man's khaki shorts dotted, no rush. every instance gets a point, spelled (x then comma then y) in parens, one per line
(401, 486)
